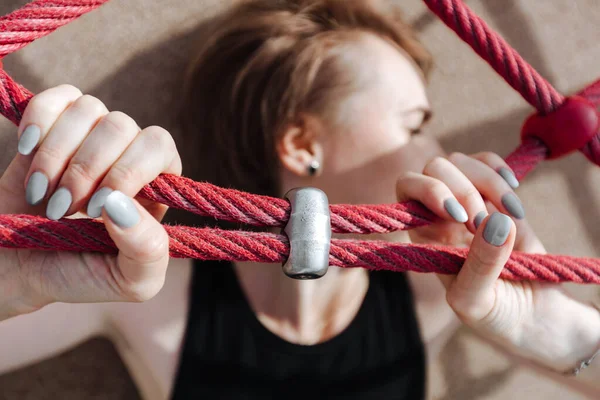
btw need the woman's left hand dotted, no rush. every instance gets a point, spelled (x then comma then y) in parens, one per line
(533, 319)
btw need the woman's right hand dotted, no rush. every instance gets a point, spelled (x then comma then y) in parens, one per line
(75, 156)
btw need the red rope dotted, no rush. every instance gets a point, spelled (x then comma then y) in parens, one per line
(505, 60)
(241, 207)
(499, 55)
(84, 235)
(38, 19)
(18, 231)
(13, 98)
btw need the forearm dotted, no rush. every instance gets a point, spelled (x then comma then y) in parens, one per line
(561, 344)
(26, 339)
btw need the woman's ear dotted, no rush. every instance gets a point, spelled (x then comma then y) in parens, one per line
(299, 150)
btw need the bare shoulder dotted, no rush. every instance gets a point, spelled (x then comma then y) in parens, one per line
(149, 335)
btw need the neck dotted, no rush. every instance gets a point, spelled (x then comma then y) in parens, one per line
(304, 312)
(299, 311)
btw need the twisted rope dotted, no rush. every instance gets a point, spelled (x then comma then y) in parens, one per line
(38, 19)
(498, 53)
(21, 231)
(84, 235)
(519, 74)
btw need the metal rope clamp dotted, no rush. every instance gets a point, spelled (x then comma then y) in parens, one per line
(309, 233)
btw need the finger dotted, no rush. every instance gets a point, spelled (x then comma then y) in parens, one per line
(59, 145)
(41, 113)
(472, 293)
(497, 163)
(143, 247)
(490, 184)
(152, 153)
(461, 187)
(99, 151)
(39, 116)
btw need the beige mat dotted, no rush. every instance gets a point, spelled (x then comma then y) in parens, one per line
(130, 53)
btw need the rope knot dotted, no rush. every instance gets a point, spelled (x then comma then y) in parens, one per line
(570, 127)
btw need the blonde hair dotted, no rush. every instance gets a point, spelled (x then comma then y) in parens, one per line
(264, 63)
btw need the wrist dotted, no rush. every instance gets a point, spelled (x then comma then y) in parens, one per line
(563, 334)
(581, 341)
(14, 300)
(587, 355)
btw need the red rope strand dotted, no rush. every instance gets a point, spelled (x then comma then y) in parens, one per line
(241, 207)
(41, 17)
(85, 235)
(498, 53)
(38, 19)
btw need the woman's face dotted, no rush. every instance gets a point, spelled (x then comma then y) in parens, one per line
(377, 135)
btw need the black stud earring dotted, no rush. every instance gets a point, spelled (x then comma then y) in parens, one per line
(313, 167)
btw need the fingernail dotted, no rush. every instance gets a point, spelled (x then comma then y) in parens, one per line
(36, 188)
(121, 210)
(455, 210)
(59, 204)
(478, 218)
(497, 229)
(94, 209)
(29, 139)
(509, 177)
(513, 205)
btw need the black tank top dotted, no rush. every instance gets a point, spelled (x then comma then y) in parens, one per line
(228, 354)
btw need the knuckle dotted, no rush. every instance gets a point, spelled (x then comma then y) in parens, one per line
(155, 246)
(41, 105)
(120, 123)
(82, 170)
(69, 89)
(48, 155)
(435, 164)
(124, 173)
(432, 188)
(159, 137)
(403, 179)
(482, 260)
(470, 194)
(455, 157)
(489, 158)
(143, 291)
(90, 104)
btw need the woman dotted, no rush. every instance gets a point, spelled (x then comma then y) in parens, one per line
(283, 94)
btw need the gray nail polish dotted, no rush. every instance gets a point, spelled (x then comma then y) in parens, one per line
(36, 188)
(497, 229)
(479, 218)
(29, 139)
(94, 209)
(509, 177)
(513, 205)
(455, 210)
(59, 204)
(121, 210)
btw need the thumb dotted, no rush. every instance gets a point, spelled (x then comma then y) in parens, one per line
(143, 247)
(472, 294)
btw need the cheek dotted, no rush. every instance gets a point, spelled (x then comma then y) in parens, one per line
(363, 142)
(369, 164)
(378, 147)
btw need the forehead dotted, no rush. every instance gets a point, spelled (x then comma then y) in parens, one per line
(383, 68)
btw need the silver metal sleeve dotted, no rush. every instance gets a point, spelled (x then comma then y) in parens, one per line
(309, 234)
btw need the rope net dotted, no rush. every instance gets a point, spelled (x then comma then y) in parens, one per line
(41, 17)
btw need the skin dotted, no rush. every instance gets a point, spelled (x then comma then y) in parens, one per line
(139, 303)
